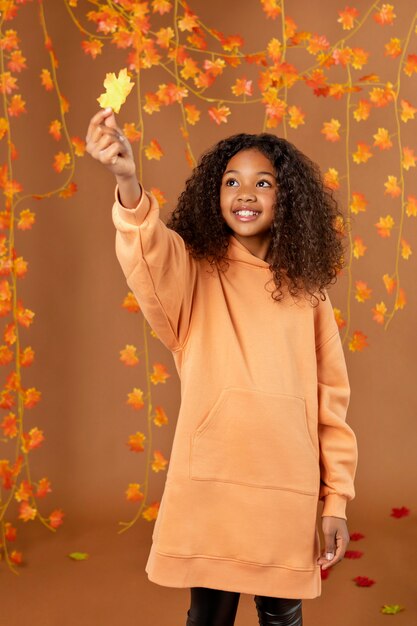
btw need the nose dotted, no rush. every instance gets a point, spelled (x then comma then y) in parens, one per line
(246, 194)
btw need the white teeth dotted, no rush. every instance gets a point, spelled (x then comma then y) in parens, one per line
(246, 213)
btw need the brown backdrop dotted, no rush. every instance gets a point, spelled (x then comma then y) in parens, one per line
(76, 287)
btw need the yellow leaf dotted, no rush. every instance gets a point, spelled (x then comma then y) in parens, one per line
(117, 90)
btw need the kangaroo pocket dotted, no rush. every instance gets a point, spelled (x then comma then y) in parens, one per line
(257, 439)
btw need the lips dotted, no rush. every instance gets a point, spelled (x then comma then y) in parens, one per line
(245, 213)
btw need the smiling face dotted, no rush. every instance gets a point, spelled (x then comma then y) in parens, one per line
(247, 199)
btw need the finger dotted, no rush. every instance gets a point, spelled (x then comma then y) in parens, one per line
(97, 119)
(110, 122)
(107, 156)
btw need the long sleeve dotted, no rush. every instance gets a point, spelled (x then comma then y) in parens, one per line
(338, 446)
(158, 268)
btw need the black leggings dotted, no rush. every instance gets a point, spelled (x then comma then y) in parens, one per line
(213, 607)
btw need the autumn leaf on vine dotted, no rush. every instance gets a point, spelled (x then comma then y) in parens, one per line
(131, 132)
(389, 282)
(159, 374)
(385, 15)
(153, 150)
(159, 462)
(135, 442)
(392, 187)
(32, 439)
(128, 355)
(274, 49)
(93, 47)
(296, 116)
(317, 43)
(9, 425)
(79, 146)
(133, 493)
(384, 226)
(272, 8)
(10, 532)
(391, 609)
(26, 512)
(330, 130)
(9, 40)
(24, 491)
(405, 249)
(55, 518)
(363, 292)
(7, 83)
(117, 90)
(338, 317)
(409, 158)
(10, 333)
(381, 97)
(130, 303)
(359, 203)
(401, 301)
(160, 417)
(68, 191)
(359, 248)
(43, 488)
(382, 139)
(358, 341)
(151, 512)
(379, 312)
(411, 206)
(55, 128)
(363, 110)
(411, 64)
(347, 17)
(135, 399)
(393, 48)
(242, 87)
(61, 160)
(188, 22)
(219, 114)
(407, 111)
(31, 397)
(46, 80)
(161, 6)
(79, 556)
(362, 154)
(17, 106)
(331, 178)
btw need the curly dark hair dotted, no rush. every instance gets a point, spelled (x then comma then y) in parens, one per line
(306, 249)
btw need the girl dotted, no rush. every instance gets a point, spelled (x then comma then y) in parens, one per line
(235, 286)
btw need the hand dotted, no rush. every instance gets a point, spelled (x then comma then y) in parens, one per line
(336, 540)
(106, 143)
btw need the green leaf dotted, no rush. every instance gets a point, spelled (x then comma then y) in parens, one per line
(79, 556)
(391, 609)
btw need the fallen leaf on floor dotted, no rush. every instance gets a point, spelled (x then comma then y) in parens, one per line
(391, 609)
(79, 556)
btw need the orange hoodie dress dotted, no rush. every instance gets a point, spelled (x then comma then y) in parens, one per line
(261, 434)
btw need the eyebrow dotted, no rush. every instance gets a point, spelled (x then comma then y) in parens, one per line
(258, 173)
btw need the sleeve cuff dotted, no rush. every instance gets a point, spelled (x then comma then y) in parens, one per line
(334, 505)
(136, 215)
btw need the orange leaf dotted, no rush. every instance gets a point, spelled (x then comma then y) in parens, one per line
(411, 206)
(26, 512)
(242, 87)
(358, 341)
(389, 283)
(358, 247)
(188, 22)
(151, 512)
(318, 43)
(382, 139)
(296, 116)
(190, 68)
(331, 178)
(393, 48)
(55, 518)
(68, 191)
(363, 292)
(359, 58)
(10, 532)
(20, 267)
(43, 488)
(381, 97)
(26, 356)
(154, 150)
(339, 319)
(10, 333)
(7, 83)
(24, 316)
(362, 111)
(392, 187)
(131, 132)
(362, 154)
(61, 160)
(31, 397)
(219, 114)
(347, 17)
(135, 398)
(3, 127)
(17, 106)
(6, 355)
(9, 425)
(331, 130)
(79, 146)
(158, 195)
(130, 303)
(24, 491)
(26, 219)
(405, 249)
(135, 442)
(401, 301)
(164, 36)
(133, 493)
(160, 416)
(46, 80)
(384, 226)
(159, 461)
(152, 103)
(379, 311)
(192, 113)
(411, 64)
(272, 8)
(161, 6)
(128, 355)
(159, 374)
(409, 159)
(10, 40)
(55, 129)
(92, 47)
(407, 111)
(359, 203)
(385, 15)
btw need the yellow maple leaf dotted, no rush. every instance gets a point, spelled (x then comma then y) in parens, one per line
(379, 311)
(392, 187)
(117, 90)
(382, 139)
(411, 206)
(331, 130)
(151, 512)
(331, 178)
(359, 203)
(363, 292)
(358, 247)
(362, 154)
(407, 111)
(384, 226)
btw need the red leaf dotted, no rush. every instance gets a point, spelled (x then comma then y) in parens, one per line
(356, 536)
(363, 581)
(402, 512)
